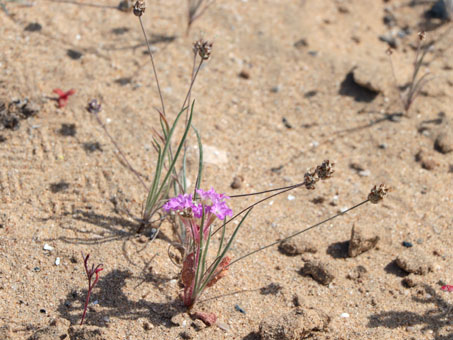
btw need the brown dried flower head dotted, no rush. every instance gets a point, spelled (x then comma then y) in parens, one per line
(139, 8)
(325, 170)
(203, 48)
(310, 179)
(421, 35)
(378, 193)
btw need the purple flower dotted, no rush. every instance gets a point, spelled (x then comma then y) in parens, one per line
(178, 203)
(214, 205)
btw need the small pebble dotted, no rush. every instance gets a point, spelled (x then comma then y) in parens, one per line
(106, 319)
(37, 269)
(239, 309)
(407, 244)
(47, 247)
(42, 310)
(364, 173)
(291, 197)
(57, 261)
(344, 315)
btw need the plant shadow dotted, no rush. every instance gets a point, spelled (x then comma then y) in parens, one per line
(434, 319)
(114, 303)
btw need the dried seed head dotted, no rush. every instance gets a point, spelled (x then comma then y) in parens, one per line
(94, 107)
(421, 35)
(139, 8)
(203, 48)
(310, 179)
(325, 170)
(377, 193)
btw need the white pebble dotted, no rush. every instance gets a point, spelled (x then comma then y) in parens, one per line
(47, 247)
(365, 173)
(57, 261)
(291, 197)
(344, 315)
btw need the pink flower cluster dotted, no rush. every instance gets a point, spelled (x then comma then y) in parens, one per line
(209, 203)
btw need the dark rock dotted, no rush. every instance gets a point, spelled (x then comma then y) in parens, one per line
(33, 27)
(237, 182)
(293, 247)
(407, 244)
(244, 74)
(319, 271)
(73, 54)
(301, 43)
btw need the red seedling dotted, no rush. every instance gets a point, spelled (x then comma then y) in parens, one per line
(447, 288)
(90, 273)
(63, 96)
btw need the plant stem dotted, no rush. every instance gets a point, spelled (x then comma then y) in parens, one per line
(300, 232)
(154, 67)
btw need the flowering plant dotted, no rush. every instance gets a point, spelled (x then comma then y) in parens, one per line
(198, 216)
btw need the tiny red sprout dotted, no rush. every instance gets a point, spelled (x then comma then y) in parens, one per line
(63, 96)
(447, 288)
(90, 272)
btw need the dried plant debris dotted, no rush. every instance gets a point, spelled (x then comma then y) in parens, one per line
(16, 110)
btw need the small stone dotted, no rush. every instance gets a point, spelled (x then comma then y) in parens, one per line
(344, 315)
(426, 160)
(57, 261)
(364, 173)
(47, 247)
(239, 309)
(275, 89)
(371, 77)
(179, 319)
(198, 325)
(359, 244)
(444, 142)
(291, 197)
(357, 274)
(237, 182)
(389, 39)
(412, 261)
(244, 74)
(147, 326)
(319, 271)
(410, 281)
(188, 334)
(301, 43)
(293, 247)
(407, 244)
(33, 27)
(298, 324)
(73, 54)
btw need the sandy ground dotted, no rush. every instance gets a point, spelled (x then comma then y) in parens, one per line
(62, 183)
